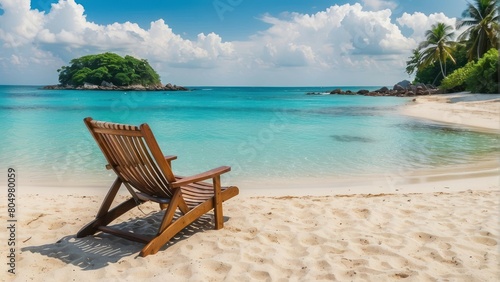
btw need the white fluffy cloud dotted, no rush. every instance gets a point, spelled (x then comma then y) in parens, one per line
(420, 22)
(19, 24)
(334, 46)
(340, 35)
(66, 24)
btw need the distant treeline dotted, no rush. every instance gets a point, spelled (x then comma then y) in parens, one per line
(469, 62)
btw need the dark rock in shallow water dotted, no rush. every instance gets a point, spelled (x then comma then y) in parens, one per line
(402, 85)
(422, 86)
(375, 94)
(352, 138)
(336, 91)
(383, 90)
(398, 87)
(174, 87)
(55, 87)
(401, 89)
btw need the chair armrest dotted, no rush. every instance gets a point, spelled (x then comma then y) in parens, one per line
(169, 159)
(200, 177)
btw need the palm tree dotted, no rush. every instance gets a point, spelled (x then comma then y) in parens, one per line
(482, 19)
(413, 64)
(438, 46)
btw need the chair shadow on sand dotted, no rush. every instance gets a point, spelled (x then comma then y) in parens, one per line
(100, 250)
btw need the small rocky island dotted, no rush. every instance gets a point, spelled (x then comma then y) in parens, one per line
(109, 71)
(401, 89)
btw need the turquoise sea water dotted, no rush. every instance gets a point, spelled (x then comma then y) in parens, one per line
(263, 133)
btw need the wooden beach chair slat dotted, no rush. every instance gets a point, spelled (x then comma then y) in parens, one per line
(134, 155)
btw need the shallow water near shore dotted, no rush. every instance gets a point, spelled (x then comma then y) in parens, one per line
(277, 133)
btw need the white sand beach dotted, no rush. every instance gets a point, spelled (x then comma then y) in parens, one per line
(426, 226)
(440, 236)
(481, 111)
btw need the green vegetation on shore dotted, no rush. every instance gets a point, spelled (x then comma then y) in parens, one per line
(109, 68)
(471, 62)
(477, 77)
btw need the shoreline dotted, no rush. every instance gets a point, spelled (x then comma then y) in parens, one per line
(483, 175)
(478, 176)
(480, 112)
(407, 181)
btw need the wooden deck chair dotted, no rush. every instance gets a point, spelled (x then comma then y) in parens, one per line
(134, 155)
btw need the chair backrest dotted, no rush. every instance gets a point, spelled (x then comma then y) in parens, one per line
(133, 153)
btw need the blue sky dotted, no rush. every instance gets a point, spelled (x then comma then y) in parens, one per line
(232, 19)
(223, 42)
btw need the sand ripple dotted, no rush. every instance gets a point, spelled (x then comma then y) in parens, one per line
(410, 237)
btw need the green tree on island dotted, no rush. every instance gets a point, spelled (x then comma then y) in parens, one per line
(108, 67)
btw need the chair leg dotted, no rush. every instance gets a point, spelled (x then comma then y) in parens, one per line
(154, 245)
(219, 217)
(175, 227)
(93, 226)
(170, 212)
(108, 200)
(105, 215)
